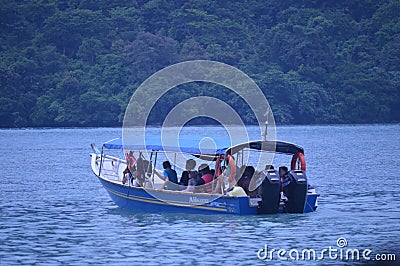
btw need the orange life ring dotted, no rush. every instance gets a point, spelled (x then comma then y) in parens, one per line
(298, 156)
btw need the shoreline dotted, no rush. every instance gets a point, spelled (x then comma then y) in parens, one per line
(194, 126)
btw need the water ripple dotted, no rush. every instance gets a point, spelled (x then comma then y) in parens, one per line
(56, 212)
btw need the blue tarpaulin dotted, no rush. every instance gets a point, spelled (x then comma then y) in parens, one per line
(199, 145)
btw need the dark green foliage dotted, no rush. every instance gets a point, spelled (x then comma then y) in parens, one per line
(77, 63)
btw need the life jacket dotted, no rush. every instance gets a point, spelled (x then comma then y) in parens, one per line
(218, 170)
(232, 166)
(130, 161)
(208, 179)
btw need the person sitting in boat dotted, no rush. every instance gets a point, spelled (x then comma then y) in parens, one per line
(130, 167)
(205, 173)
(170, 177)
(285, 180)
(205, 178)
(130, 159)
(193, 181)
(227, 180)
(245, 180)
(127, 175)
(190, 165)
(143, 167)
(283, 170)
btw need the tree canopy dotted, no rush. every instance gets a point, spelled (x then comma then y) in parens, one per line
(77, 63)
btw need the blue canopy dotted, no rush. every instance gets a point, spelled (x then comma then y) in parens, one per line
(185, 144)
(202, 145)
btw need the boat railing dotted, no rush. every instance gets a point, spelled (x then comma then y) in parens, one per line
(112, 167)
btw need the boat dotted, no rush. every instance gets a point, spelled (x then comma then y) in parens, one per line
(269, 194)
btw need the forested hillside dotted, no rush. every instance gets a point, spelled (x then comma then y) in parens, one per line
(77, 63)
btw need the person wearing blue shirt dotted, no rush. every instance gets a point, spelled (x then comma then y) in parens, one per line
(170, 177)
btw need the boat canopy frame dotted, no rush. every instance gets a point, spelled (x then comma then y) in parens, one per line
(222, 147)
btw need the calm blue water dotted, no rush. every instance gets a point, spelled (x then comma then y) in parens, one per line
(53, 209)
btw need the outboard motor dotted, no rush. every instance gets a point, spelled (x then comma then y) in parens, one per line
(270, 192)
(295, 189)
